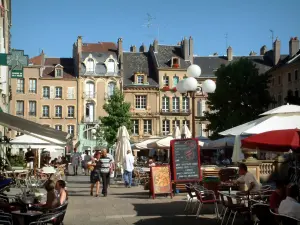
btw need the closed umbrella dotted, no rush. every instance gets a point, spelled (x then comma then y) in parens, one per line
(185, 132)
(237, 154)
(176, 134)
(123, 144)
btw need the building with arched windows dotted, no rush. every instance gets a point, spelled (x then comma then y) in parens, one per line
(97, 66)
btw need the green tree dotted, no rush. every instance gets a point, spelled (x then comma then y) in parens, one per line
(100, 139)
(241, 95)
(118, 115)
(292, 99)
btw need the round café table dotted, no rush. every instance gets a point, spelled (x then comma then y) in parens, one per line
(25, 218)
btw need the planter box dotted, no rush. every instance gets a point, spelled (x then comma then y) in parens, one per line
(17, 167)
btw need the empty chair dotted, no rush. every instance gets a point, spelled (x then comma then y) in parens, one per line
(284, 219)
(206, 197)
(191, 196)
(262, 213)
(5, 218)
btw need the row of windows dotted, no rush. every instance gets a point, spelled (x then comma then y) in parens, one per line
(91, 66)
(90, 91)
(70, 128)
(147, 126)
(290, 77)
(32, 110)
(166, 81)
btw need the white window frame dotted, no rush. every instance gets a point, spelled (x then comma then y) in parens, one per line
(58, 72)
(71, 111)
(90, 89)
(165, 104)
(109, 66)
(58, 127)
(110, 89)
(135, 127)
(58, 111)
(166, 127)
(58, 92)
(45, 111)
(32, 85)
(185, 104)
(90, 65)
(20, 108)
(20, 85)
(175, 104)
(32, 108)
(166, 81)
(141, 102)
(46, 92)
(71, 129)
(140, 79)
(147, 126)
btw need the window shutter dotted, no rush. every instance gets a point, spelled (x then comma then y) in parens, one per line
(52, 92)
(71, 92)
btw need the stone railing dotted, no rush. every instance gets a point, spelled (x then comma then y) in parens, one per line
(266, 169)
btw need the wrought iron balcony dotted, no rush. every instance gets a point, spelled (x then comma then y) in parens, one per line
(89, 95)
(183, 112)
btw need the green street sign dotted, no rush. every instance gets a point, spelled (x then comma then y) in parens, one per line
(17, 74)
(3, 59)
(17, 60)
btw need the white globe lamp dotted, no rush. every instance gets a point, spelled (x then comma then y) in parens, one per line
(94, 131)
(194, 71)
(180, 88)
(208, 86)
(190, 84)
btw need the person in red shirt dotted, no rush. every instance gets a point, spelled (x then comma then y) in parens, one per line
(278, 195)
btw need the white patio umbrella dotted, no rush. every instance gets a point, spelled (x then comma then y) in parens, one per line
(123, 144)
(176, 134)
(185, 132)
(143, 145)
(163, 143)
(237, 154)
(283, 109)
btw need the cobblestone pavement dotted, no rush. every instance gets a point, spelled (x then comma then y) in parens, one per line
(126, 206)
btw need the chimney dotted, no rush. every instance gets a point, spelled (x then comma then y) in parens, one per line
(294, 46)
(252, 53)
(143, 48)
(276, 51)
(120, 52)
(191, 49)
(185, 49)
(155, 45)
(79, 44)
(229, 54)
(43, 58)
(263, 50)
(132, 48)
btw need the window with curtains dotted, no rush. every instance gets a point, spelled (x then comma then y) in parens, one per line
(45, 111)
(135, 127)
(175, 123)
(32, 85)
(165, 104)
(89, 89)
(110, 89)
(147, 126)
(32, 108)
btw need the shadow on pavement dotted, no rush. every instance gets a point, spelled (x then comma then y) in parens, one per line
(132, 195)
(176, 220)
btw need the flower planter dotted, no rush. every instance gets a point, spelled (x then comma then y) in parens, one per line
(176, 66)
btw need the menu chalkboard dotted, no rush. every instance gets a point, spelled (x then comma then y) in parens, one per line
(185, 160)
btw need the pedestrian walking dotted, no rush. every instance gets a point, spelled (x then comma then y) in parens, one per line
(128, 168)
(87, 158)
(95, 174)
(112, 167)
(29, 158)
(105, 163)
(75, 160)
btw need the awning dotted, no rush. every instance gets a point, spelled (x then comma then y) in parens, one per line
(34, 129)
(34, 142)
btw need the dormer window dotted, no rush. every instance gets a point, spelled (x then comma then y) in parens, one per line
(175, 62)
(140, 78)
(111, 66)
(58, 71)
(90, 65)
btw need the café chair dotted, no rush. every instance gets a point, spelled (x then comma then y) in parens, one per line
(238, 208)
(5, 218)
(206, 197)
(191, 196)
(49, 218)
(284, 219)
(262, 214)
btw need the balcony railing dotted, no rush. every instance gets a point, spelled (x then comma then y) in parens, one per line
(20, 113)
(87, 119)
(32, 113)
(184, 112)
(89, 94)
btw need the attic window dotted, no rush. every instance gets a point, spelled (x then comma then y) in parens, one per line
(140, 78)
(58, 72)
(175, 62)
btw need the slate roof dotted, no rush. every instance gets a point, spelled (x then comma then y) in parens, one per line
(68, 67)
(210, 64)
(138, 62)
(165, 54)
(286, 59)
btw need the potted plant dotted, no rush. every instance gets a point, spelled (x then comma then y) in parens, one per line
(176, 65)
(166, 88)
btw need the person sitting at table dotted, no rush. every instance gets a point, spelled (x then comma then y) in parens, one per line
(62, 193)
(248, 179)
(278, 195)
(151, 162)
(290, 205)
(52, 201)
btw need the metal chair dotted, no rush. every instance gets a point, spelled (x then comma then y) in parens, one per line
(206, 197)
(235, 209)
(262, 214)
(52, 218)
(191, 196)
(284, 219)
(5, 218)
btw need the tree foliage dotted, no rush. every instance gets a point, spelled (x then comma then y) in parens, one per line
(100, 138)
(241, 95)
(118, 115)
(292, 99)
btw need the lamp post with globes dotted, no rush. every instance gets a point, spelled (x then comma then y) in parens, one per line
(189, 86)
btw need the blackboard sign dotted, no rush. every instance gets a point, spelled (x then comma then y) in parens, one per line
(160, 180)
(186, 160)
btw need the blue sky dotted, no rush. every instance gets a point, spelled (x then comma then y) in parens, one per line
(54, 25)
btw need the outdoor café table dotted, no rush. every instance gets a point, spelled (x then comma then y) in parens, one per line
(25, 218)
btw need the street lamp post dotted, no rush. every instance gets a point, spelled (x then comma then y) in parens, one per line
(189, 86)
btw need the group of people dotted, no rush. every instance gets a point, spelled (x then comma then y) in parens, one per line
(284, 200)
